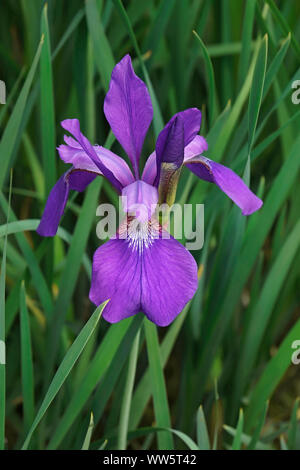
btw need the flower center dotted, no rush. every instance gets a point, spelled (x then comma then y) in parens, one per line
(139, 234)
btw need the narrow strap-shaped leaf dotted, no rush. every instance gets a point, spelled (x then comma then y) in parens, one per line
(65, 368)
(102, 360)
(237, 442)
(2, 333)
(161, 407)
(271, 376)
(12, 128)
(262, 310)
(87, 439)
(256, 434)
(47, 106)
(125, 408)
(292, 433)
(246, 40)
(202, 433)
(284, 26)
(256, 92)
(102, 52)
(26, 363)
(211, 80)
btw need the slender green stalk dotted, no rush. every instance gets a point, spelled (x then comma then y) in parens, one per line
(127, 400)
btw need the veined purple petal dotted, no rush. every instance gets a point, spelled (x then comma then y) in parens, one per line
(177, 134)
(140, 199)
(73, 126)
(149, 172)
(74, 154)
(169, 280)
(170, 143)
(195, 148)
(228, 181)
(77, 180)
(128, 109)
(156, 276)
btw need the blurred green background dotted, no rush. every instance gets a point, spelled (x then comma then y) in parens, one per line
(231, 348)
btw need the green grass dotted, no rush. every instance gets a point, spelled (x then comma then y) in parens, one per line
(71, 381)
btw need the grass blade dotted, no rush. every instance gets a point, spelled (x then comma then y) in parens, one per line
(211, 80)
(2, 333)
(246, 40)
(12, 128)
(125, 409)
(47, 106)
(161, 407)
(27, 363)
(87, 439)
(99, 365)
(256, 92)
(237, 442)
(256, 434)
(102, 51)
(65, 368)
(292, 433)
(271, 376)
(263, 308)
(202, 433)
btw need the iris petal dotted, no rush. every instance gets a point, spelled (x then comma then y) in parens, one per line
(128, 109)
(157, 276)
(74, 154)
(177, 134)
(140, 199)
(73, 126)
(77, 180)
(228, 181)
(195, 148)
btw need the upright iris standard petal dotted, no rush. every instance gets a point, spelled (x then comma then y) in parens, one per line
(157, 276)
(195, 148)
(128, 109)
(149, 173)
(74, 154)
(228, 181)
(170, 143)
(177, 134)
(73, 126)
(170, 153)
(77, 180)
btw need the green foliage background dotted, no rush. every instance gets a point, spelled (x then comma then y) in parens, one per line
(231, 348)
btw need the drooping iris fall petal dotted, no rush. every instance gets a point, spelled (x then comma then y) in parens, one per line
(228, 181)
(157, 276)
(77, 180)
(128, 109)
(195, 148)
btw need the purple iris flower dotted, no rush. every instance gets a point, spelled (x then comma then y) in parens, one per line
(144, 271)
